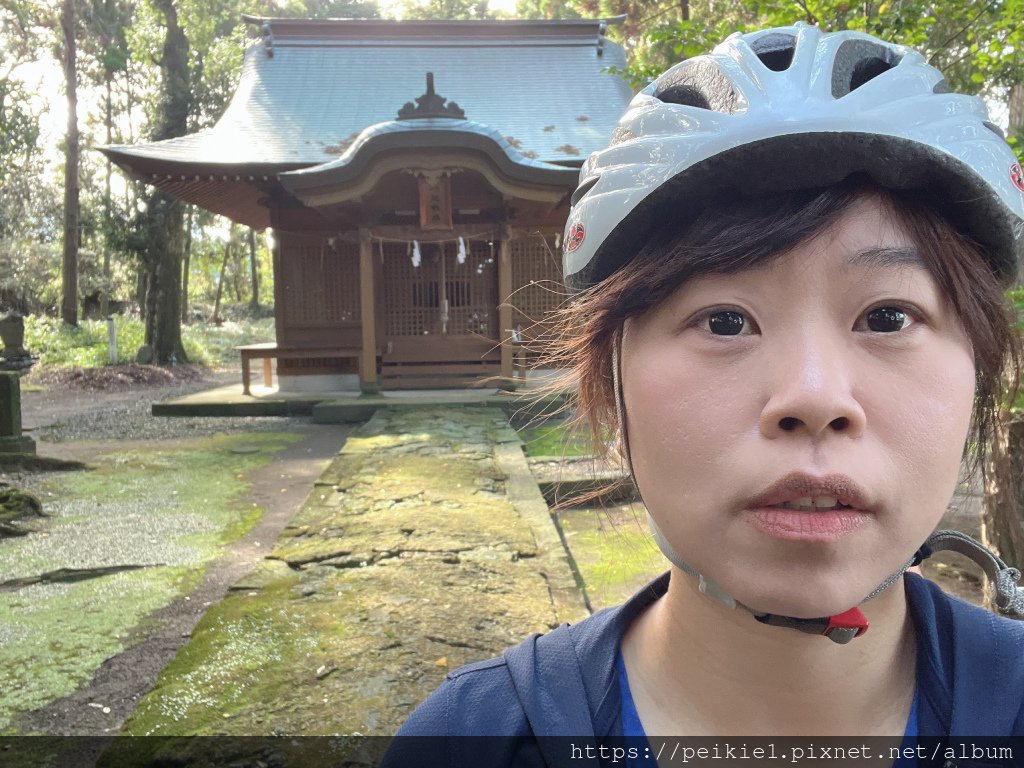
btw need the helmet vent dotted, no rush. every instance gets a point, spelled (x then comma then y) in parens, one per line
(995, 129)
(697, 83)
(858, 62)
(775, 50)
(582, 189)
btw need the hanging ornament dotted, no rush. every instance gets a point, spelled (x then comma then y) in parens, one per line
(416, 258)
(461, 256)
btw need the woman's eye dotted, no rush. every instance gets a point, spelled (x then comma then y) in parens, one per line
(725, 322)
(887, 319)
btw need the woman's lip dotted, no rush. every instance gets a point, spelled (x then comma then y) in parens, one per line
(811, 525)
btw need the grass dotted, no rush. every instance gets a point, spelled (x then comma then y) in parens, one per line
(560, 439)
(86, 345)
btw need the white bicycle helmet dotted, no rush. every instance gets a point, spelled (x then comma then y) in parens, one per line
(787, 109)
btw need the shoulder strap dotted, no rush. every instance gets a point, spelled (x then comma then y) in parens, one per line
(558, 708)
(987, 673)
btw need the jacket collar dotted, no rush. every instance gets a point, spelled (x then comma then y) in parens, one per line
(597, 642)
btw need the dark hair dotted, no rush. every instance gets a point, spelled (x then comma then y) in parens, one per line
(732, 234)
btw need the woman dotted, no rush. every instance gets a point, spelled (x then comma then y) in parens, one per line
(790, 264)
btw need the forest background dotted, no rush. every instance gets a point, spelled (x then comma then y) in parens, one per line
(79, 240)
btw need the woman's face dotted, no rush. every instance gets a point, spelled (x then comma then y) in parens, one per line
(840, 358)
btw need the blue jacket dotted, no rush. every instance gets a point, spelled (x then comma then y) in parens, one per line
(970, 679)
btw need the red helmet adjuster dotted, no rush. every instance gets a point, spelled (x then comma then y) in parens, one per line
(845, 626)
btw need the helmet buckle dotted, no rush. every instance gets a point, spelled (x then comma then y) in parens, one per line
(845, 626)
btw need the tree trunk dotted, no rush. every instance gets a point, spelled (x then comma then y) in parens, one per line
(236, 274)
(141, 289)
(1002, 524)
(165, 244)
(254, 273)
(109, 121)
(163, 272)
(220, 279)
(69, 293)
(1016, 109)
(187, 261)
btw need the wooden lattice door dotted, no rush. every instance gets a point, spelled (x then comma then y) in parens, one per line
(537, 277)
(440, 314)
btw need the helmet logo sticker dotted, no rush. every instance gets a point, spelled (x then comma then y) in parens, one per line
(575, 238)
(1017, 176)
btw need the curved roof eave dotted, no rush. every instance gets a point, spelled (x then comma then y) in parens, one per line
(146, 159)
(434, 134)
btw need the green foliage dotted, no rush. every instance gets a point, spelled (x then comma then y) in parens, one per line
(1016, 296)
(448, 9)
(337, 9)
(29, 201)
(19, 126)
(29, 274)
(214, 345)
(977, 46)
(85, 345)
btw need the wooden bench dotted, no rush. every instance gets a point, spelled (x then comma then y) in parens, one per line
(269, 351)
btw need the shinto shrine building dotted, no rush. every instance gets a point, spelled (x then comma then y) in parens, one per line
(417, 177)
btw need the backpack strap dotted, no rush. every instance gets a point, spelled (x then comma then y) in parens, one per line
(987, 673)
(553, 710)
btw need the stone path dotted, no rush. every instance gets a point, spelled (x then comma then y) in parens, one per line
(424, 546)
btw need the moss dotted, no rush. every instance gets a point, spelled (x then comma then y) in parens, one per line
(613, 551)
(412, 499)
(350, 644)
(55, 636)
(16, 505)
(171, 509)
(559, 439)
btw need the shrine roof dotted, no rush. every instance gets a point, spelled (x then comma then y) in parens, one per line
(309, 89)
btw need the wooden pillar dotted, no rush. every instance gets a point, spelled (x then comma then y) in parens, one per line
(505, 289)
(281, 332)
(367, 314)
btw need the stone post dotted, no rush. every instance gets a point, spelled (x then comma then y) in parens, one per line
(11, 439)
(12, 336)
(13, 355)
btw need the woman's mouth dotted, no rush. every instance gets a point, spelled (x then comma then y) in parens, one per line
(821, 518)
(803, 507)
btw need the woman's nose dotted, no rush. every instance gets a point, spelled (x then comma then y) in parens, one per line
(812, 382)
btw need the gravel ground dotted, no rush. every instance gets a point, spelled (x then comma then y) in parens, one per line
(63, 416)
(134, 422)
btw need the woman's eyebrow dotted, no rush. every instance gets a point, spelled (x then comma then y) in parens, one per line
(886, 256)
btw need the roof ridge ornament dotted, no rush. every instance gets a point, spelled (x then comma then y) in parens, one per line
(268, 38)
(430, 105)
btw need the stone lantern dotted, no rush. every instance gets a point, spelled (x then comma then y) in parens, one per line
(13, 355)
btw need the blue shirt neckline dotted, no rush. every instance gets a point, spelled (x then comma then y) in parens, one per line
(632, 728)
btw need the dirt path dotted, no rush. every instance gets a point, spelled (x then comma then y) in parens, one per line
(279, 488)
